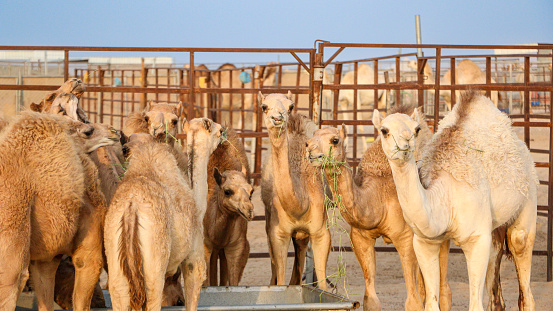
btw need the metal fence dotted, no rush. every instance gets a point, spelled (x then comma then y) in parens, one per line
(113, 93)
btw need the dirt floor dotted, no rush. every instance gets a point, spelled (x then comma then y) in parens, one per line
(390, 286)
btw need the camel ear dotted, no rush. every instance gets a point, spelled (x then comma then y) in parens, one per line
(123, 139)
(36, 107)
(207, 124)
(289, 95)
(416, 116)
(51, 97)
(260, 97)
(244, 171)
(218, 177)
(343, 132)
(149, 105)
(180, 110)
(377, 119)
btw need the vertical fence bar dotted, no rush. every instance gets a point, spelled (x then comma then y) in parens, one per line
(550, 186)
(65, 65)
(488, 74)
(192, 87)
(437, 89)
(453, 92)
(398, 79)
(336, 93)
(526, 101)
(100, 107)
(421, 63)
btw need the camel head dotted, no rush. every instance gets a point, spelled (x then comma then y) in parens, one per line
(398, 133)
(72, 86)
(236, 193)
(65, 104)
(205, 132)
(276, 109)
(327, 142)
(163, 120)
(134, 141)
(172, 291)
(94, 135)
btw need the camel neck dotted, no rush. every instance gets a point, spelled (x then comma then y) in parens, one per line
(198, 179)
(422, 211)
(352, 197)
(282, 178)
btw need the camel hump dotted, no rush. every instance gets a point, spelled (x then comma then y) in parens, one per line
(301, 125)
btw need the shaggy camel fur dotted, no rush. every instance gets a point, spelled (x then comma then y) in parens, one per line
(293, 193)
(154, 224)
(72, 86)
(475, 165)
(44, 218)
(371, 207)
(229, 209)
(466, 72)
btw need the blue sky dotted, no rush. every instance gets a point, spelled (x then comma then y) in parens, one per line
(293, 24)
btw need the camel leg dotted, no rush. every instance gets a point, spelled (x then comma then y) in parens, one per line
(520, 238)
(363, 248)
(278, 247)
(193, 272)
(237, 257)
(445, 290)
(208, 253)
(300, 248)
(410, 269)
(477, 254)
(493, 283)
(154, 281)
(428, 255)
(321, 249)
(15, 271)
(44, 278)
(224, 270)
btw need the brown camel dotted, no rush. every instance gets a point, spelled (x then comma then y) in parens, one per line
(72, 86)
(293, 193)
(43, 217)
(228, 211)
(370, 205)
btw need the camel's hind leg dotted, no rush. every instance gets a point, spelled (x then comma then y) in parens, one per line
(13, 270)
(300, 248)
(363, 247)
(493, 283)
(520, 238)
(44, 278)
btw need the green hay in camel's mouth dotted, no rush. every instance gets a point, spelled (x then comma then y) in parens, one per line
(334, 208)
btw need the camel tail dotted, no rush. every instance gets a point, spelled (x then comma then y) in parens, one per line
(130, 257)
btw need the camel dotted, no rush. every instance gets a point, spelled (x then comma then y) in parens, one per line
(466, 72)
(229, 209)
(292, 192)
(44, 218)
(371, 207)
(154, 224)
(474, 165)
(72, 86)
(64, 283)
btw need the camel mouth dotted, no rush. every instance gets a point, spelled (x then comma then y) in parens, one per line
(246, 217)
(315, 159)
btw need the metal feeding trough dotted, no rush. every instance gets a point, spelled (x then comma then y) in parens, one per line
(294, 297)
(223, 298)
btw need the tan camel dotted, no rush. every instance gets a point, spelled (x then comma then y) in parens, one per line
(154, 224)
(466, 72)
(229, 209)
(293, 193)
(72, 86)
(371, 207)
(42, 217)
(475, 165)
(64, 284)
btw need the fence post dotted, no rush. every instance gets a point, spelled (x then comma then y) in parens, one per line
(317, 69)
(144, 83)
(100, 104)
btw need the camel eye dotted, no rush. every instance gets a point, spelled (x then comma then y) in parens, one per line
(229, 192)
(264, 108)
(147, 119)
(335, 141)
(291, 108)
(417, 130)
(384, 131)
(174, 122)
(89, 132)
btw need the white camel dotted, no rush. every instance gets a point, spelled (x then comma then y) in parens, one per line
(475, 176)
(466, 72)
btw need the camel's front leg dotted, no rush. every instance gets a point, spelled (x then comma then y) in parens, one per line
(237, 257)
(193, 271)
(279, 242)
(410, 266)
(445, 290)
(428, 256)
(363, 247)
(320, 241)
(44, 278)
(477, 254)
(493, 281)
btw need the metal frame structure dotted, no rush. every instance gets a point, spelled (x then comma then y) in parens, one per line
(187, 92)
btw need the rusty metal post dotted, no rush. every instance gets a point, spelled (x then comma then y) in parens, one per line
(526, 101)
(100, 104)
(317, 78)
(337, 81)
(398, 80)
(65, 65)
(143, 83)
(191, 82)
(453, 92)
(421, 63)
(550, 192)
(488, 75)
(437, 89)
